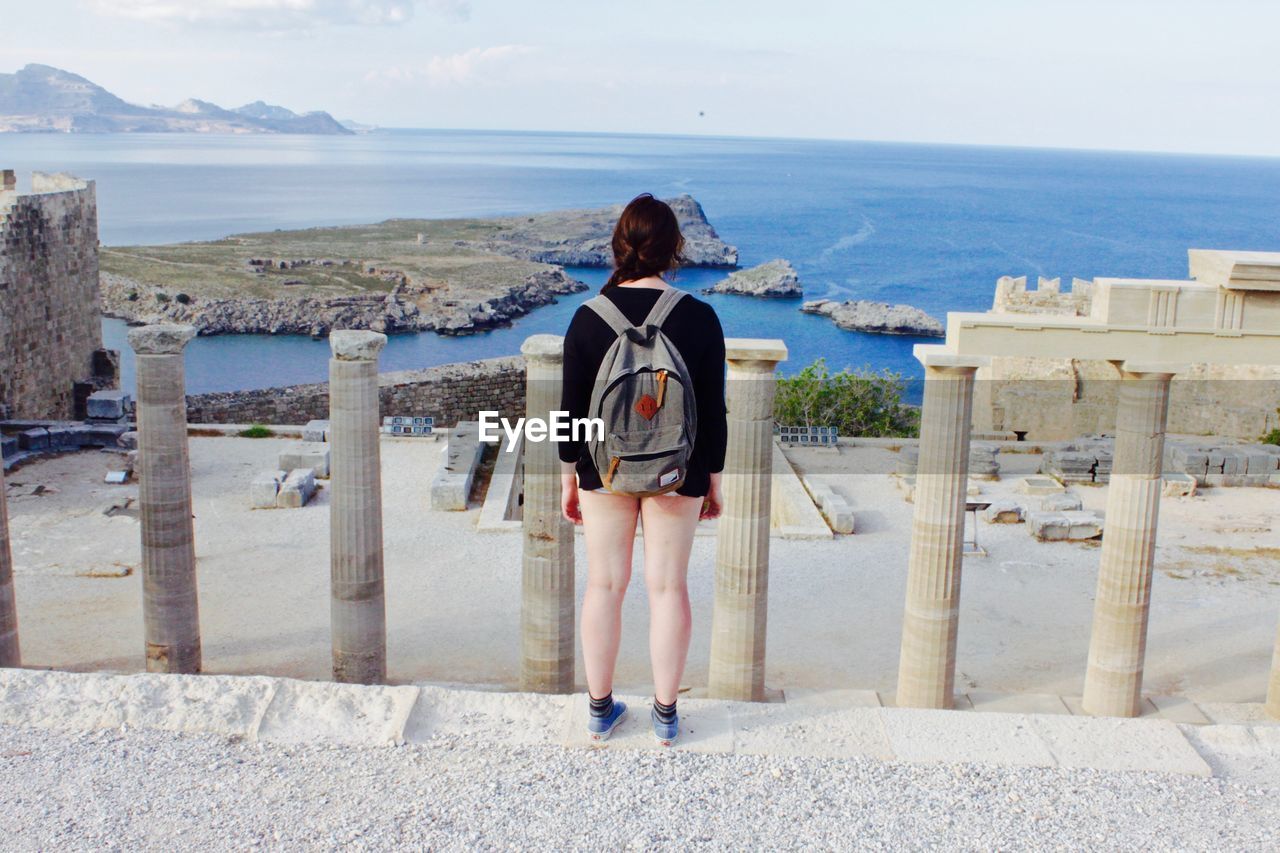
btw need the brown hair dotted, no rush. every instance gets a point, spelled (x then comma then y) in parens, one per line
(646, 241)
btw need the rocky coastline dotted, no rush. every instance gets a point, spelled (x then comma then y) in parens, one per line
(452, 277)
(861, 315)
(403, 309)
(775, 279)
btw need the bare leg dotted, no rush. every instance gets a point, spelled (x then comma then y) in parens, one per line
(609, 525)
(669, 522)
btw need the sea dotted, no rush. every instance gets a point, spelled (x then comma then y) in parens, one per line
(928, 225)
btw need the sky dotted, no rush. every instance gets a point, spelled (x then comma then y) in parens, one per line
(1172, 75)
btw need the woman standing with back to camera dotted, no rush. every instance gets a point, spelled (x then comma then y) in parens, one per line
(646, 245)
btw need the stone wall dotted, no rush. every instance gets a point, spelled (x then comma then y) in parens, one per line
(449, 393)
(1053, 399)
(1012, 297)
(49, 312)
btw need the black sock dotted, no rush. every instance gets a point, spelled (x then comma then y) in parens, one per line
(665, 713)
(601, 707)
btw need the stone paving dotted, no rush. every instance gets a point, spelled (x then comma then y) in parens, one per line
(1009, 730)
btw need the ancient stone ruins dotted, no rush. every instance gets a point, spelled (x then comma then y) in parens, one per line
(1219, 326)
(51, 355)
(1149, 334)
(1149, 331)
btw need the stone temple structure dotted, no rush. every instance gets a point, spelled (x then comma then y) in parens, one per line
(51, 355)
(1147, 331)
(1072, 392)
(1224, 321)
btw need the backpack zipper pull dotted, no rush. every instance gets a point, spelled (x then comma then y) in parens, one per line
(662, 387)
(613, 467)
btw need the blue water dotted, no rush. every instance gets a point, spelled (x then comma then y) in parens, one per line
(933, 226)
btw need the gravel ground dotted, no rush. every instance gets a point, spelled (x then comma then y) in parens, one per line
(149, 789)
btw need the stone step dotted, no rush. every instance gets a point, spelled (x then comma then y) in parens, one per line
(451, 488)
(1174, 736)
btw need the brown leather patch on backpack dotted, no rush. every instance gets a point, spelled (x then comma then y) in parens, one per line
(647, 407)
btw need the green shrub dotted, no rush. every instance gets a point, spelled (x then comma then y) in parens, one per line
(255, 431)
(182, 299)
(162, 297)
(1272, 437)
(858, 403)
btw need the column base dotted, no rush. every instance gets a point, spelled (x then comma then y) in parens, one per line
(350, 668)
(173, 659)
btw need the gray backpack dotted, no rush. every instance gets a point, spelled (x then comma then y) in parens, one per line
(644, 395)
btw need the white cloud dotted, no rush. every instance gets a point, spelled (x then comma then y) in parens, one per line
(275, 14)
(476, 64)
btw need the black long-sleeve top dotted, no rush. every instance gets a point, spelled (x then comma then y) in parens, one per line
(694, 329)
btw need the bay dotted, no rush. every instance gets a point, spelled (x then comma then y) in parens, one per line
(932, 226)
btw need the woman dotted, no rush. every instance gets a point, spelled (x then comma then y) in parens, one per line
(646, 245)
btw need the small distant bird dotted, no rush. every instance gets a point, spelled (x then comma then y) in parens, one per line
(701, 113)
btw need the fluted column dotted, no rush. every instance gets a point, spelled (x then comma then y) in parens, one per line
(740, 614)
(547, 579)
(1117, 648)
(170, 601)
(1273, 690)
(357, 604)
(9, 654)
(927, 663)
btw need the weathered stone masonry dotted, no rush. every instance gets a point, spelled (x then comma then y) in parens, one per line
(1053, 399)
(449, 393)
(50, 327)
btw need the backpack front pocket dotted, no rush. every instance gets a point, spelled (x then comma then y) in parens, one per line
(634, 443)
(645, 461)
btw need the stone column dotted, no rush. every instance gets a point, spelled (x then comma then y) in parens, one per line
(357, 604)
(740, 613)
(547, 584)
(169, 596)
(927, 663)
(9, 655)
(1117, 648)
(1273, 690)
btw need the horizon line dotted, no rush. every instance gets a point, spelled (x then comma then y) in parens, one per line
(375, 128)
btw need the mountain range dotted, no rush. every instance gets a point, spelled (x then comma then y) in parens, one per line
(41, 98)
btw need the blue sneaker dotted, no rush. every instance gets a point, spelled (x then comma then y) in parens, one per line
(664, 732)
(601, 727)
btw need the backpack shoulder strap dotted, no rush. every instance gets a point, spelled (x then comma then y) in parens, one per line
(662, 308)
(609, 312)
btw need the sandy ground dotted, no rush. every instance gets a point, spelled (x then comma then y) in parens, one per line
(453, 595)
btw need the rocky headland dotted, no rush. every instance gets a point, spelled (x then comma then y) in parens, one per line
(773, 279)
(861, 315)
(580, 238)
(452, 277)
